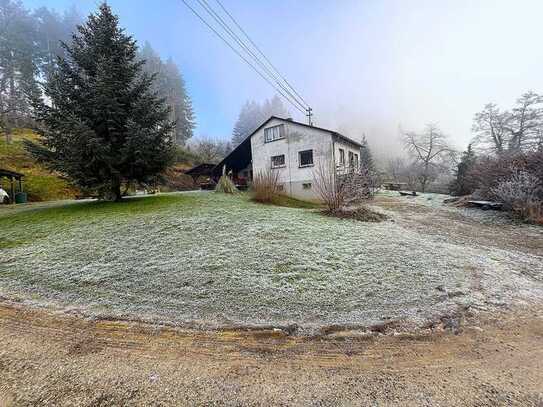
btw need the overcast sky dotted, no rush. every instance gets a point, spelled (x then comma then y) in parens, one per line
(365, 66)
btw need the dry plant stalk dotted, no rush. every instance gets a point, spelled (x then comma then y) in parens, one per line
(265, 186)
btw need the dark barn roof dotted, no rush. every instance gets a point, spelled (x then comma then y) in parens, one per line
(11, 174)
(238, 159)
(204, 169)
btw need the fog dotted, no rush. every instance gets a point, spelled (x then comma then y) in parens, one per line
(366, 67)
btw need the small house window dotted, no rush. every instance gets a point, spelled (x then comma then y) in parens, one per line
(306, 158)
(351, 158)
(280, 187)
(341, 156)
(306, 185)
(274, 133)
(278, 161)
(356, 160)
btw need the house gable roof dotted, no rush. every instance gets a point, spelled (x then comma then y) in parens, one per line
(335, 133)
(245, 145)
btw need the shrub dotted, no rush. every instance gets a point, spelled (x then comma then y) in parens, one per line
(347, 188)
(265, 186)
(519, 194)
(332, 194)
(226, 186)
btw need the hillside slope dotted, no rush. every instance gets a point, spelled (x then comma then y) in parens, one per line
(39, 183)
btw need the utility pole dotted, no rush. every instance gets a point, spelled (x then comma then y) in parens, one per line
(309, 116)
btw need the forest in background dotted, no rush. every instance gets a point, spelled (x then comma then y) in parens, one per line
(30, 44)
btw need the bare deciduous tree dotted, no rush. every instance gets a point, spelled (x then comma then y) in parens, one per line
(525, 122)
(209, 150)
(429, 149)
(490, 126)
(510, 131)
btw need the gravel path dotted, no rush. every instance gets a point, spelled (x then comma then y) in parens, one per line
(58, 360)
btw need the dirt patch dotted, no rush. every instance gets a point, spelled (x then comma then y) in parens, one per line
(49, 359)
(360, 213)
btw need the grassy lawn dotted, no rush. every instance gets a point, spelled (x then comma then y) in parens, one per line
(211, 260)
(39, 183)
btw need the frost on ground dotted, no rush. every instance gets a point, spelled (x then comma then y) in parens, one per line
(211, 260)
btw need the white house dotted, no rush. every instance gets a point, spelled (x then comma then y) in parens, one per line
(294, 150)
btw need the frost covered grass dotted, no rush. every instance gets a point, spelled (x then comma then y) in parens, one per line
(213, 259)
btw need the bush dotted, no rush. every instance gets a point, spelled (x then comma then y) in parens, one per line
(265, 187)
(516, 180)
(519, 193)
(226, 186)
(348, 188)
(333, 196)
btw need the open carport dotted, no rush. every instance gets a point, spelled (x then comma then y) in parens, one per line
(14, 178)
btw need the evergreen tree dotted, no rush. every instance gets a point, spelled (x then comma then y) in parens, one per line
(19, 62)
(104, 125)
(53, 29)
(250, 117)
(366, 158)
(170, 85)
(464, 184)
(180, 103)
(253, 114)
(273, 107)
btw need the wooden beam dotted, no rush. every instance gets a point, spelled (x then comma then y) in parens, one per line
(12, 179)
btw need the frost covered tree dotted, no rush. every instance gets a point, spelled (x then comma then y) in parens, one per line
(515, 130)
(490, 128)
(429, 149)
(102, 124)
(525, 122)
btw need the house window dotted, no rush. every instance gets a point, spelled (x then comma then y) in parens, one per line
(306, 158)
(341, 156)
(306, 185)
(274, 133)
(280, 187)
(351, 158)
(356, 160)
(278, 161)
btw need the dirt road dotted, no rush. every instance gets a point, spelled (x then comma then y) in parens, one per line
(53, 359)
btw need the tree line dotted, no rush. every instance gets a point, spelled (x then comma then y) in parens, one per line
(31, 43)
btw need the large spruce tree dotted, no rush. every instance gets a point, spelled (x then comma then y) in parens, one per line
(102, 123)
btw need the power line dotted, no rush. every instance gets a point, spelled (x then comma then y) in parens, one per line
(294, 101)
(247, 49)
(259, 51)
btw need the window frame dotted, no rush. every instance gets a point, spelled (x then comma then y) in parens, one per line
(300, 165)
(278, 166)
(281, 130)
(351, 159)
(341, 156)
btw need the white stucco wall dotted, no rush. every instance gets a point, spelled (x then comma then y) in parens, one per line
(297, 138)
(347, 147)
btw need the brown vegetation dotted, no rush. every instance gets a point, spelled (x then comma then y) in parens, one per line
(265, 186)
